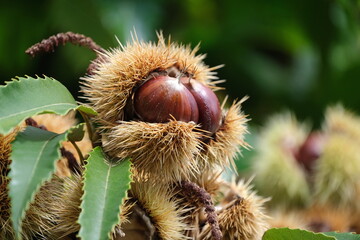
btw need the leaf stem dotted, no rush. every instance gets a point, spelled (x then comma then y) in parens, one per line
(81, 156)
(146, 219)
(88, 126)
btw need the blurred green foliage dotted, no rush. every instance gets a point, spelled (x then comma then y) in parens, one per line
(299, 54)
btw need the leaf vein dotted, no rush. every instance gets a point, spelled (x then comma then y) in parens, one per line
(105, 196)
(37, 160)
(32, 109)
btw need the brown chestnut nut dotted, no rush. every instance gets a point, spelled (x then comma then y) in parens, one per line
(163, 97)
(310, 150)
(208, 105)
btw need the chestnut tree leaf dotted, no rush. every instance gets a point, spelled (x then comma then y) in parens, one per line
(294, 234)
(76, 133)
(87, 110)
(33, 157)
(343, 236)
(105, 189)
(26, 97)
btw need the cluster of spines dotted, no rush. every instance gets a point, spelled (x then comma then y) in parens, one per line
(174, 150)
(241, 214)
(113, 77)
(333, 183)
(276, 147)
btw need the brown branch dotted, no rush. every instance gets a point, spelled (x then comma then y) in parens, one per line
(200, 197)
(93, 65)
(81, 156)
(146, 219)
(49, 45)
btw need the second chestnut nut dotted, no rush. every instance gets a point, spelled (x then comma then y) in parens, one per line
(185, 99)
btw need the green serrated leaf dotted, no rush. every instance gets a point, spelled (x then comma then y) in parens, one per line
(26, 97)
(105, 188)
(76, 133)
(294, 234)
(87, 110)
(343, 236)
(34, 152)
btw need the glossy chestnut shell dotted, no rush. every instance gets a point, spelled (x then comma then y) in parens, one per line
(163, 98)
(310, 150)
(208, 105)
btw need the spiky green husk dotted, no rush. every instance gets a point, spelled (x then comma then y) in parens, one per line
(337, 178)
(66, 209)
(5, 151)
(222, 149)
(210, 180)
(172, 150)
(123, 68)
(243, 217)
(164, 209)
(284, 131)
(342, 128)
(38, 218)
(278, 175)
(340, 120)
(282, 180)
(159, 151)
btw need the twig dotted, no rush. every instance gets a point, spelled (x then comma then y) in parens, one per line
(142, 214)
(81, 157)
(94, 64)
(200, 197)
(88, 127)
(48, 45)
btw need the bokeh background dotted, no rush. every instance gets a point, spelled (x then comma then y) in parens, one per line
(301, 54)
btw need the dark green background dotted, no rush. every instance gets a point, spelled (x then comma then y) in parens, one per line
(301, 55)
